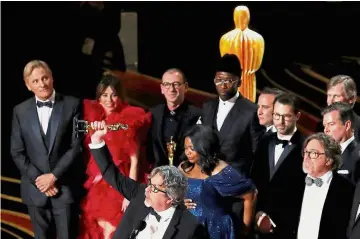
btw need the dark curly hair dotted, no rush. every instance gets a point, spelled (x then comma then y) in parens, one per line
(206, 144)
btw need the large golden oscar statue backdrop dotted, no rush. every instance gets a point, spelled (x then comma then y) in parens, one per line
(249, 48)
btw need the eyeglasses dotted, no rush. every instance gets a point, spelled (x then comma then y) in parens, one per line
(311, 154)
(176, 85)
(277, 116)
(219, 81)
(153, 188)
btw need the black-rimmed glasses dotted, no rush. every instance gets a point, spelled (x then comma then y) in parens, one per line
(311, 154)
(176, 85)
(153, 187)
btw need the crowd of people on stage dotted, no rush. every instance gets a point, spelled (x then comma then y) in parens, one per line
(230, 169)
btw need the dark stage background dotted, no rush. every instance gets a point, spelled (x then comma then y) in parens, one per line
(322, 35)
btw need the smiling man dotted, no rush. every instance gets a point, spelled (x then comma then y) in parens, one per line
(172, 119)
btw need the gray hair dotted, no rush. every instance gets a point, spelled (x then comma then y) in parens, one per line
(175, 182)
(348, 84)
(331, 147)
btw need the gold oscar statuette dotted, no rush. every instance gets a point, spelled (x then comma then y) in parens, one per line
(171, 147)
(83, 126)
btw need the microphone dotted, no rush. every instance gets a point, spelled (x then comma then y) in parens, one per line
(139, 227)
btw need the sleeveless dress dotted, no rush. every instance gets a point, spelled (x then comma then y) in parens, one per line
(101, 200)
(213, 197)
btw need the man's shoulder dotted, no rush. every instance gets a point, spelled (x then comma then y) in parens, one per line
(69, 98)
(24, 104)
(343, 184)
(246, 104)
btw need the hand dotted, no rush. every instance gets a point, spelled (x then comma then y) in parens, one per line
(125, 204)
(45, 181)
(263, 223)
(52, 191)
(97, 178)
(189, 204)
(100, 129)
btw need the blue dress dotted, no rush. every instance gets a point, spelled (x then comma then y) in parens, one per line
(213, 197)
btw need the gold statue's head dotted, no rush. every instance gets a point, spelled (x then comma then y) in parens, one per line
(241, 17)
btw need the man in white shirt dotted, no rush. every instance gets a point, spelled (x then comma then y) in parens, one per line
(326, 204)
(266, 107)
(338, 124)
(47, 152)
(278, 162)
(156, 210)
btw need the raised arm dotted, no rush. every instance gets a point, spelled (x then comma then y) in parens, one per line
(125, 185)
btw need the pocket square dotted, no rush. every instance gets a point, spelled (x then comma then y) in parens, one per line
(343, 171)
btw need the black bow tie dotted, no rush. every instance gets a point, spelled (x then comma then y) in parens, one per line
(158, 217)
(309, 181)
(46, 103)
(281, 141)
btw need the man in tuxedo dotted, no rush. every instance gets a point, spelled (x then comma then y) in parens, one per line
(46, 151)
(266, 108)
(232, 116)
(327, 196)
(338, 122)
(353, 231)
(170, 120)
(342, 88)
(156, 210)
(277, 169)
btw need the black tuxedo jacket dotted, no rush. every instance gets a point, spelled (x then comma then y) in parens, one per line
(281, 185)
(34, 157)
(351, 162)
(157, 152)
(353, 231)
(183, 225)
(336, 211)
(239, 134)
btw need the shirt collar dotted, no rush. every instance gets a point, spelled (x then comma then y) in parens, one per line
(51, 98)
(168, 213)
(271, 128)
(326, 178)
(346, 143)
(231, 100)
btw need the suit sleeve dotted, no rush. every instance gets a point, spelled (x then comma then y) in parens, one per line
(125, 185)
(75, 148)
(18, 152)
(257, 131)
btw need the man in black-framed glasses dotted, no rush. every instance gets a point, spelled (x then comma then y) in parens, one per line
(156, 210)
(170, 120)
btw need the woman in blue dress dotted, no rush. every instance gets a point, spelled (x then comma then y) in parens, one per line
(213, 184)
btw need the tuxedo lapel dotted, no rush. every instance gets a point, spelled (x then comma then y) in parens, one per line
(160, 117)
(34, 124)
(183, 123)
(283, 156)
(346, 155)
(55, 119)
(232, 117)
(271, 159)
(171, 230)
(356, 203)
(211, 113)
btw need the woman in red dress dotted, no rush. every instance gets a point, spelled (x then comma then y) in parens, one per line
(103, 207)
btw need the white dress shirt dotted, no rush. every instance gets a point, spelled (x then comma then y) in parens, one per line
(155, 229)
(224, 109)
(343, 145)
(358, 213)
(312, 207)
(44, 112)
(271, 128)
(279, 147)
